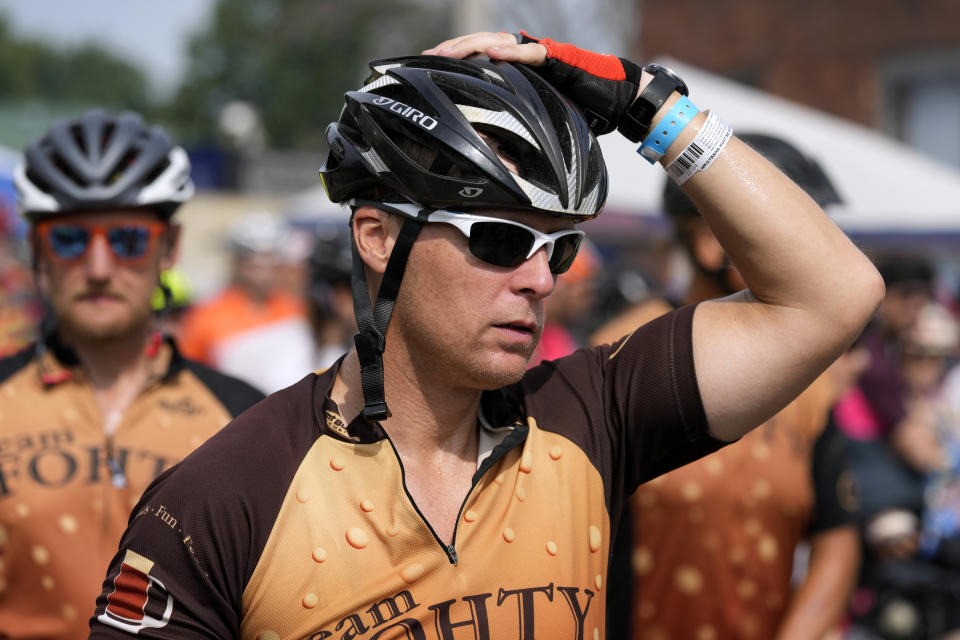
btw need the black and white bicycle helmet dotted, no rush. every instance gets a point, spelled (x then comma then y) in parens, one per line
(445, 104)
(102, 161)
(434, 132)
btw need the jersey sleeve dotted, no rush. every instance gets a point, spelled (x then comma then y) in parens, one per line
(633, 406)
(835, 489)
(652, 397)
(175, 573)
(196, 536)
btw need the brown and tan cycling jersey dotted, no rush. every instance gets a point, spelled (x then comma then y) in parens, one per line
(291, 524)
(66, 489)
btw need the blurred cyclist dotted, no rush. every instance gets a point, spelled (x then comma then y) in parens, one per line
(329, 296)
(101, 404)
(172, 299)
(254, 329)
(428, 481)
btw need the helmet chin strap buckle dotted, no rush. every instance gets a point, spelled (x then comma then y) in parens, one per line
(376, 412)
(370, 345)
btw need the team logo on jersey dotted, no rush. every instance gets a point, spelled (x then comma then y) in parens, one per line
(138, 600)
(336, 424)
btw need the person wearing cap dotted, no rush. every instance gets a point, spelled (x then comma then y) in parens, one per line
(101, 403)
(254, 329)
(711, 545)
(429, 485)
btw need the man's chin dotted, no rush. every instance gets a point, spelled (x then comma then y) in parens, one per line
(100, 329)
(507, 370)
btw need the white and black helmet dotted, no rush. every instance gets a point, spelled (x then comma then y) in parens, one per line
(102, 161)
(445, 105)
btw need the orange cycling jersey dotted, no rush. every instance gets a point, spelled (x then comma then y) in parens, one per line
(290, 523)
(66, 489)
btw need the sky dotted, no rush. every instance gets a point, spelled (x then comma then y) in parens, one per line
(154, 34)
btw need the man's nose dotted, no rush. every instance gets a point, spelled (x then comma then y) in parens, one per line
(533, 277)
(100, 261)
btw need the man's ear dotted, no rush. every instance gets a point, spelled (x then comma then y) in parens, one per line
(374, 233)
(171, 247)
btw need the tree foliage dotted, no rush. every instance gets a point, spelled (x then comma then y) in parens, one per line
(294, 59)
(83, 74)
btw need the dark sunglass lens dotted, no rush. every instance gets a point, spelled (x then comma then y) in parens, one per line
(69, 242)
(564, 252)
(129, 242)
(500, 244)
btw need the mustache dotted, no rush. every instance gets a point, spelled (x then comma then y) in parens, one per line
(96, 292)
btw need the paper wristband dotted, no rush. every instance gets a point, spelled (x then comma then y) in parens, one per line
(666, 131)
(702, 150)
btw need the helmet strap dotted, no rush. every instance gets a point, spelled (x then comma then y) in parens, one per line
(372, 321)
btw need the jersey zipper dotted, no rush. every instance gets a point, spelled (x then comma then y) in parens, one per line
(117, 476)
(449, 549)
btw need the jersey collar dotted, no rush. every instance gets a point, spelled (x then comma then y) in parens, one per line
(58, 362)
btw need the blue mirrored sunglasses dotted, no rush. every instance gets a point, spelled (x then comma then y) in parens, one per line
(129, 241)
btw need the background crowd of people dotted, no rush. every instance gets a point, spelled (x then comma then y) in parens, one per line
(765, 535)
(837, 518)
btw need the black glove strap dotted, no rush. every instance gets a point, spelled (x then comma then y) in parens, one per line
(636, 120)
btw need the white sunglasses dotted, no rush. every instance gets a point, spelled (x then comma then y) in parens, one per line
(505, 243)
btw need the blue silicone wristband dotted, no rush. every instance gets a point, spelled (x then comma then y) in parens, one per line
(666, 131)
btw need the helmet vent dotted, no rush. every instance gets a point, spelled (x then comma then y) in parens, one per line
(67, 170)
(76, 132)
(157, 170)
(465, 93)
(37, 180)
(107, 134)
(336, 146)
(120, 169)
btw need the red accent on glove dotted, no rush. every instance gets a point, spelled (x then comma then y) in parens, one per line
(604, 66)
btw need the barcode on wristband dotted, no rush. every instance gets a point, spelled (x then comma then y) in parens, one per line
(702, 150)
(689, 156)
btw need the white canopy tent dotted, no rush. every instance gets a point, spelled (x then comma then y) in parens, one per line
(887, 187)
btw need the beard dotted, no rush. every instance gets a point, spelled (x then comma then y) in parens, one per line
(87, 326)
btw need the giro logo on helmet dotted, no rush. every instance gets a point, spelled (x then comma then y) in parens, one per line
(470, 192)
(413, 115)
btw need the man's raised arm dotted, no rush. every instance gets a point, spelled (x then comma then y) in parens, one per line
(811, 290)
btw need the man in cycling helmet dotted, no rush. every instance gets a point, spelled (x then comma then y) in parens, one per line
(427, 481)
(102, 403)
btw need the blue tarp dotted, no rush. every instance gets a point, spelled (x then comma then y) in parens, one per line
(10, 221)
